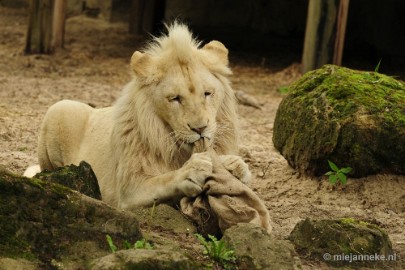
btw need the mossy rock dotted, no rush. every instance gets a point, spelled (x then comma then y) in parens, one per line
(165, 216)
(42, 222)
(143, 259)
(17, 264)
(355, 119)
(256, 249)
(80, 178)
(330, 240)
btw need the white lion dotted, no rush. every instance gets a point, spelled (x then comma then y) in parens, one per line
(141, 148)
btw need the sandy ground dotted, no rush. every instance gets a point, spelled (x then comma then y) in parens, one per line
(93, 68)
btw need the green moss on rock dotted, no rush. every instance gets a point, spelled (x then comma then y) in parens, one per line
(142, 259)
(80, 178)
(340, 237)
(351, 117)
(256, 249)
(41, 220)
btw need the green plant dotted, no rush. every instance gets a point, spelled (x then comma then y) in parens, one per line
(111, 244)
(140, 244)
(218, 251)
(378, 66)
(23, 148)
(143, 244)
(283, 89)
(337, 174)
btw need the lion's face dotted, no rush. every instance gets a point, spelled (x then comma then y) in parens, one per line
(185, 85)
(187, 100)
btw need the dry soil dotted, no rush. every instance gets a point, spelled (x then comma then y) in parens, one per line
(93, 68)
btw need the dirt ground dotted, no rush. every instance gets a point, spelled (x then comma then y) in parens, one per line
(93, 68)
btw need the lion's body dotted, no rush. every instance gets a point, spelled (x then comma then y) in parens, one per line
(141, 148)
(72, 132)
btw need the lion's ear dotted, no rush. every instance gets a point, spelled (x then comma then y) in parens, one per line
(218, 49)
(141, 64)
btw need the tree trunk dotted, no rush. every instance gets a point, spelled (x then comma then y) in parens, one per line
(341, 31)
(135, 16)
(46, 26)
(58, 24)
(325, 31)
(146, 16)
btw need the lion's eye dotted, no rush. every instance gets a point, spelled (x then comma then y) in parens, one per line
(207, 94)
(175, 99)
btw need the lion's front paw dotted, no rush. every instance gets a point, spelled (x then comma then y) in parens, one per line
(194, 173)
(237, 167)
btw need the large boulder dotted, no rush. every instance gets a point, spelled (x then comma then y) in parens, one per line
(167, 217)
(256, 249)
(343, 241)
(17, 264)
(145, 260)
(52, 225)
(353, 118)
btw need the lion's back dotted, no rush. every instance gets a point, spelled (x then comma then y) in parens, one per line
(61, 132)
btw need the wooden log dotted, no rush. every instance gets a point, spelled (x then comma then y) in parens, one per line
(46, 26)
(320, 34)
(58, 24)
(340, 31)
(39, 32)
(136, 17)
(146, 16)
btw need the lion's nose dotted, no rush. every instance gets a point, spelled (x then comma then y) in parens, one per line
(198, 130)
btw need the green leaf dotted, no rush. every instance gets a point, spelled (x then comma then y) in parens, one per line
(212, 250)
(346, 170)
(220, 246)
(329, 173)
(229, 255)
(147, 245)
(212, 238)
(127, 245)
(333, 166)
(342, 177)
(283, 90)
(378, 66)
(203, 242)
(111, 244)
(332, 179)
(218, 251)
(142, 244)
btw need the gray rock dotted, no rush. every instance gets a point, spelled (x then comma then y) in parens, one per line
(256, 249)
(355, 119)
(167, 217)
(247, 100)
(329, 240)
(145, 260)
(17, 264)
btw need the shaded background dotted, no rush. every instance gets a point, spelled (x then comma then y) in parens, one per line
(271, 32)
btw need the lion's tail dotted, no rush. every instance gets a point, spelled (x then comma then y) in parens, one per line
(32, 170)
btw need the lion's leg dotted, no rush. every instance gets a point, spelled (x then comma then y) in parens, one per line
(171, 186)
(237, 167)
(43, 157)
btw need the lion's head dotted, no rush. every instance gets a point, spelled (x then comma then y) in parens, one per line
(180, 94)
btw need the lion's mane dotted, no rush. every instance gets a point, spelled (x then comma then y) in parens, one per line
(141, 142)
